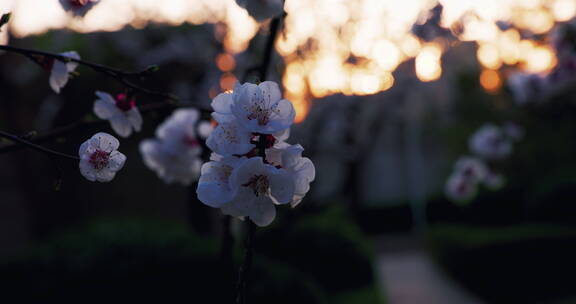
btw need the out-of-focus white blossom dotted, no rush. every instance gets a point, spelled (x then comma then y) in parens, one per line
(121, 111)
(99, 158)
(471, 168)
(490, 143)
(171, 166)
(78, 7)
(175, 154)
(487, 144)
(527, 87)
(262, 9)
(460, 189)
(205, 129)
(60, 71)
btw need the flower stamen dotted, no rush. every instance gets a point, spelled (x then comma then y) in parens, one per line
(259, 184)
(99, 159)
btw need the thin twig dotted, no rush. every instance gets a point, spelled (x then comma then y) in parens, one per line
(81, 124)
(119, 75)
(274, 26)
(36, 147)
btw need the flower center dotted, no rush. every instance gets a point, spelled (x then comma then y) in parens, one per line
(99, 159)
(259, 184)
(260, 114)
(123, 103)
(78, 3)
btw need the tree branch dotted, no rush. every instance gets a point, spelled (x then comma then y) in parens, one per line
(36, 147)
(247, 263)
(117, 74)
(81, 124)
(261, 146)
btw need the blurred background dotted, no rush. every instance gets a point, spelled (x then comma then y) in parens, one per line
(387, 94)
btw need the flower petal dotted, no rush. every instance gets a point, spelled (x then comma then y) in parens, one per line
(263, 212)
(241, 204)
(58, 76)
(283, 117)
(71, 66)
(270, 91)
(171, 166)
(104, 110)
(229, 139)
(105, 97)
(204, 129)
(105, 176)
(135, 119)
(213, 186)
(116, 161)
(88, 147)
(282, 186)
(87, 170)
(121, 125)
(246, 170)
(222, 103)
(106, 142)
(181, 121)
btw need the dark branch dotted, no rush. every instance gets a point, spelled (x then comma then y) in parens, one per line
(36, 147)
(251, 227)
(269, 48)
(119, 75)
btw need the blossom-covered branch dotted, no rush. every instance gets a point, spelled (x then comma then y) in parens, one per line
(84, 123)
(117, 74)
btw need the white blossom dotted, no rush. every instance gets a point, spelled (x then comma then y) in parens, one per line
(175, 154)
(258, 187)
(78, 7)
(526, 87)
(60, 71)
(472, 168)
(260, 108)
(253, 121)
(490, 143)
(171, 166)
(179, 130)
(230, 138)
(122, 113)
(99, 158)
(262, 9)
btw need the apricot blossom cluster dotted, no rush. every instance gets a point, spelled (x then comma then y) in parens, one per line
(252, 168)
